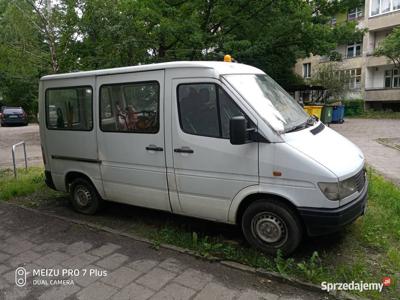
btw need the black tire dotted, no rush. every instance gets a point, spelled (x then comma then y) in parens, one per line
(84, 197)
(270, 226)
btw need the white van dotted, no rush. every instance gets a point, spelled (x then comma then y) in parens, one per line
(214, 140)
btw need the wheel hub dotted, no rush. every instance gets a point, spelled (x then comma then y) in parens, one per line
(82, 196)
(269, 227)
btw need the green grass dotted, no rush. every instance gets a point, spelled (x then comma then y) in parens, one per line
(27, 182)
(366, 250)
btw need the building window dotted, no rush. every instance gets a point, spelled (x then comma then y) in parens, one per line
(354, 79)
(353, 76)
(307, 70)
(130, 107)
(383, 6)
(375, 7)
(392, 78)
(353, 50)
(396, 78)
(69, 108)
(355, 13)
(388, 78)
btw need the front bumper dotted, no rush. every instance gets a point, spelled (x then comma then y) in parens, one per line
(320, 221)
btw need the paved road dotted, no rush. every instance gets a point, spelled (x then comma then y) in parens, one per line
(12, 135)
(116, 267)
(364, 133)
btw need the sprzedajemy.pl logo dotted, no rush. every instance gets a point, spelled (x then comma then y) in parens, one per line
(356, 285)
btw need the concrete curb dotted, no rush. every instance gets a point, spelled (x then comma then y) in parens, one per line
(231, 264)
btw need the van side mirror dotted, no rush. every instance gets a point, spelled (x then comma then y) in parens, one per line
(237, 130)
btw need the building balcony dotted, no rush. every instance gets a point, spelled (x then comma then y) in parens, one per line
(376, 61)
(382, 94)
(324, 59)
(387, 20)
(353, 62)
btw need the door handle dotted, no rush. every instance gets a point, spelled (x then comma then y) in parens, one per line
(183, 150)
(154, 148)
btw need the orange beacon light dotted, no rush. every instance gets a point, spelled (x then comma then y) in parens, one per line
(227, 58)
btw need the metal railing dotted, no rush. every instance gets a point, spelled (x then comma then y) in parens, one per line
(14, 147)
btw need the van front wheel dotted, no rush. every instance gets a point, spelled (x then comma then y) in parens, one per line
(84, 197)
(271, 226)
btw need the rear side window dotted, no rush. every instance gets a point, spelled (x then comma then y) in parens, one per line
(13, 111)
(69, 108)
(130, 107)
(205, 109)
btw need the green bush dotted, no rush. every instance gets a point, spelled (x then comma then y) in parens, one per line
(353, 107)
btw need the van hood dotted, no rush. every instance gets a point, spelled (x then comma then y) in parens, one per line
(328, 148)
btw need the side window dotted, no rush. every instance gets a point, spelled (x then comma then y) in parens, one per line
(205, 109)
(106, 108)
(228, 109)
(69, 108)
(130, 107)
(198, 111)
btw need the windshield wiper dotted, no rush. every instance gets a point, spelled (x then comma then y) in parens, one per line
(309, 122)
(298, 127)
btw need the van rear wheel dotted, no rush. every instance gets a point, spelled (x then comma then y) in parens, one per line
(84, 197)
(271, 226)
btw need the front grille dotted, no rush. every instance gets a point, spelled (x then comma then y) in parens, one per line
(360, 180)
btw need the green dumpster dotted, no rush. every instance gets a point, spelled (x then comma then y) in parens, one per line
(326, 115)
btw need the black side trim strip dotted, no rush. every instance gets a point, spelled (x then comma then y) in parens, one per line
(88, 160)
(318, 129)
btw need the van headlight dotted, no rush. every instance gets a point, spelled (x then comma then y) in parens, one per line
(338, 190)
(347, 187)
(330, 190)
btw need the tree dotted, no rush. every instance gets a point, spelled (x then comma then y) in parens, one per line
(73, 35)
(268, 34)
(333, 79)
(22, 57)
(390, 47)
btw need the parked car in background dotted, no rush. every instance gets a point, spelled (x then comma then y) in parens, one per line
(13, 116)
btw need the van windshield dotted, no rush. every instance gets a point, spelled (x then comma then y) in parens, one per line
(270, 100)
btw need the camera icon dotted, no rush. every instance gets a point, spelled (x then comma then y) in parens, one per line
(20, 276)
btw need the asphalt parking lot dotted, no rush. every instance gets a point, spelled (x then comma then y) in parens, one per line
(12, 135)
(366, 133)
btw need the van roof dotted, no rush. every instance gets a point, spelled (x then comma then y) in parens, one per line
(219, 67)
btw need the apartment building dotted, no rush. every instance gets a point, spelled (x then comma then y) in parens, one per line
(374, 79)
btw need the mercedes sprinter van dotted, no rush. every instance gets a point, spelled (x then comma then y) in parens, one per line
(214, 140)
